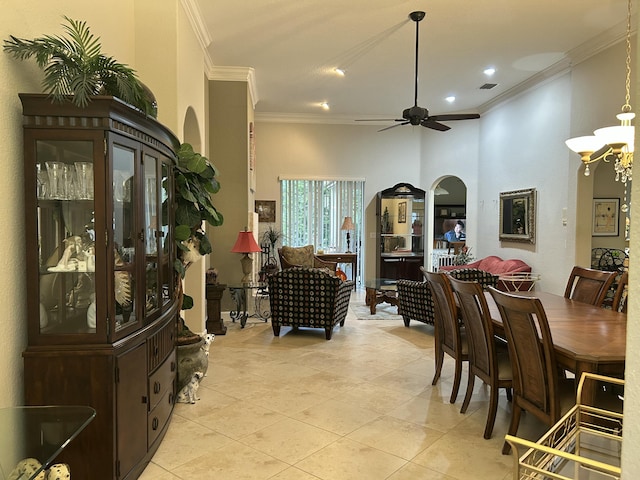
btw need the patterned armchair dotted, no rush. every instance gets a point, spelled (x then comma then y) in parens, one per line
(302, 257)
(415, 302)
(414, 298)
(308, 297)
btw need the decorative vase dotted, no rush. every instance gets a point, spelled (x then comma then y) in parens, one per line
(191, 359)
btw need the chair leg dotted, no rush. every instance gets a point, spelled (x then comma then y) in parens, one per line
(406, 320)
(327, 332)
(276, 329)
(456, 381)
(439, 362)
(513, 426)
(467, 396)
(491, 415)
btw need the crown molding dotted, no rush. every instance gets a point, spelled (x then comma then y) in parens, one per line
(275, 117)
(199, 28)
(236, 74)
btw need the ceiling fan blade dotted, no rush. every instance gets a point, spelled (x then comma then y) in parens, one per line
(454, 116)
(430, 123)
(393, 126)
(379, 119)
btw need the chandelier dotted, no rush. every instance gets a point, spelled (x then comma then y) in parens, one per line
(614, 143)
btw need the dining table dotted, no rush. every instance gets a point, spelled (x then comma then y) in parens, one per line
(586, 338)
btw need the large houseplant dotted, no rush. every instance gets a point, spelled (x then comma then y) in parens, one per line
(76, 69)
(194, 183)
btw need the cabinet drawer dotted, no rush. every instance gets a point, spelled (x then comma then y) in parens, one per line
(159, 416)
(160, 345)
(162, 381)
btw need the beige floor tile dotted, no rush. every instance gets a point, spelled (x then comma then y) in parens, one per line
(337, 416)
(359, 406)
(397, 437)
(233, 462)
(435, 413)
(350, 460)
(154, 472)
(463, 456)
(411, 471)
(186, 440)
(240, 419)
(290, 440)
(378, 398)
(293, 473)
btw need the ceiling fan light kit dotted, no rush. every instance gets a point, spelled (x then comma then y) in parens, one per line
(416, 115)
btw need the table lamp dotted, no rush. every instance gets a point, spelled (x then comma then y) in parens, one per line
(246, 244)
(347, 225)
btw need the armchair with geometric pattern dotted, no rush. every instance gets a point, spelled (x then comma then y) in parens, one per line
(308, 297)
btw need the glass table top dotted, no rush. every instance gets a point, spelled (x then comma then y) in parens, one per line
(381, 283)
(251, 285)
(39, 433)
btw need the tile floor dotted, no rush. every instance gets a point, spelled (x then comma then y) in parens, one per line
(360, 406)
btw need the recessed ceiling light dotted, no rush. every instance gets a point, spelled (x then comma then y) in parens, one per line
(450, 99)
(339, 71)
(325, 105)
(489, 71)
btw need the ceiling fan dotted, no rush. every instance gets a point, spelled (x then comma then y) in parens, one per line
(417, 115)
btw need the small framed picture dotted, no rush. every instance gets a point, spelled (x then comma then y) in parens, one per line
(606, 218)
(402, 212)
(266, 210)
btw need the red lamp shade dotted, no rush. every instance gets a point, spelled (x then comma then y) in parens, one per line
(246, 244)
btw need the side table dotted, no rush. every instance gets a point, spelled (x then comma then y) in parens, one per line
(350, 258)
(215, 323)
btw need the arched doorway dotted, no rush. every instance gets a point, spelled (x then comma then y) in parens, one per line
(449, 207)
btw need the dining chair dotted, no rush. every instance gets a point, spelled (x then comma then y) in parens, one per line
(622, 291)
(488, 355)
(588, 285)
(449, 338)
(537, 386)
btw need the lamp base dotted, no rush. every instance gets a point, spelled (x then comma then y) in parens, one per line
(247, 268)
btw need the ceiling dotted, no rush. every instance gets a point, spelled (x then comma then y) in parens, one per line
(294, 45)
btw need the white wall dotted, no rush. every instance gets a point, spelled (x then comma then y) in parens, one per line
(315, 150)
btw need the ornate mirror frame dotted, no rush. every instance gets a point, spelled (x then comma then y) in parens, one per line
(518, 216)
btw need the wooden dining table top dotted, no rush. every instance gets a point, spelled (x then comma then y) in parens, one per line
(585, 337)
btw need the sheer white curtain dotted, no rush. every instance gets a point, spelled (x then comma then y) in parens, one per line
(313, 211)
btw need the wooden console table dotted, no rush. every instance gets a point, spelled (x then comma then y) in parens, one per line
(351, 258)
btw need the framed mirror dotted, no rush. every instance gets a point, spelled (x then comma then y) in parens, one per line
(518, 216)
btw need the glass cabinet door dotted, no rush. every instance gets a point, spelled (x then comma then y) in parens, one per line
(66, 236)
(152, 233)
(124, 235)
(166, 243)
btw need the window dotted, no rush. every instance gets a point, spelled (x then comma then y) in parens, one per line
(313, 212)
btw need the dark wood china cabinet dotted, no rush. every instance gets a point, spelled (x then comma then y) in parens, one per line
(102, 296)
(400, 214)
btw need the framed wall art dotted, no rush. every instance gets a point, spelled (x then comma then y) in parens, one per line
(606, 217)
(266, 210)
(402, 212)
(518, 216)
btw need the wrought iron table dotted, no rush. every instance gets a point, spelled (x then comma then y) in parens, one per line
(240, 292)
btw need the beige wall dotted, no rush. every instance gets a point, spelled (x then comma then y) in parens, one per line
(129, 31)
(229, 146)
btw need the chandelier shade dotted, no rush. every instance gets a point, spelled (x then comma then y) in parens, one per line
(615, 143)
